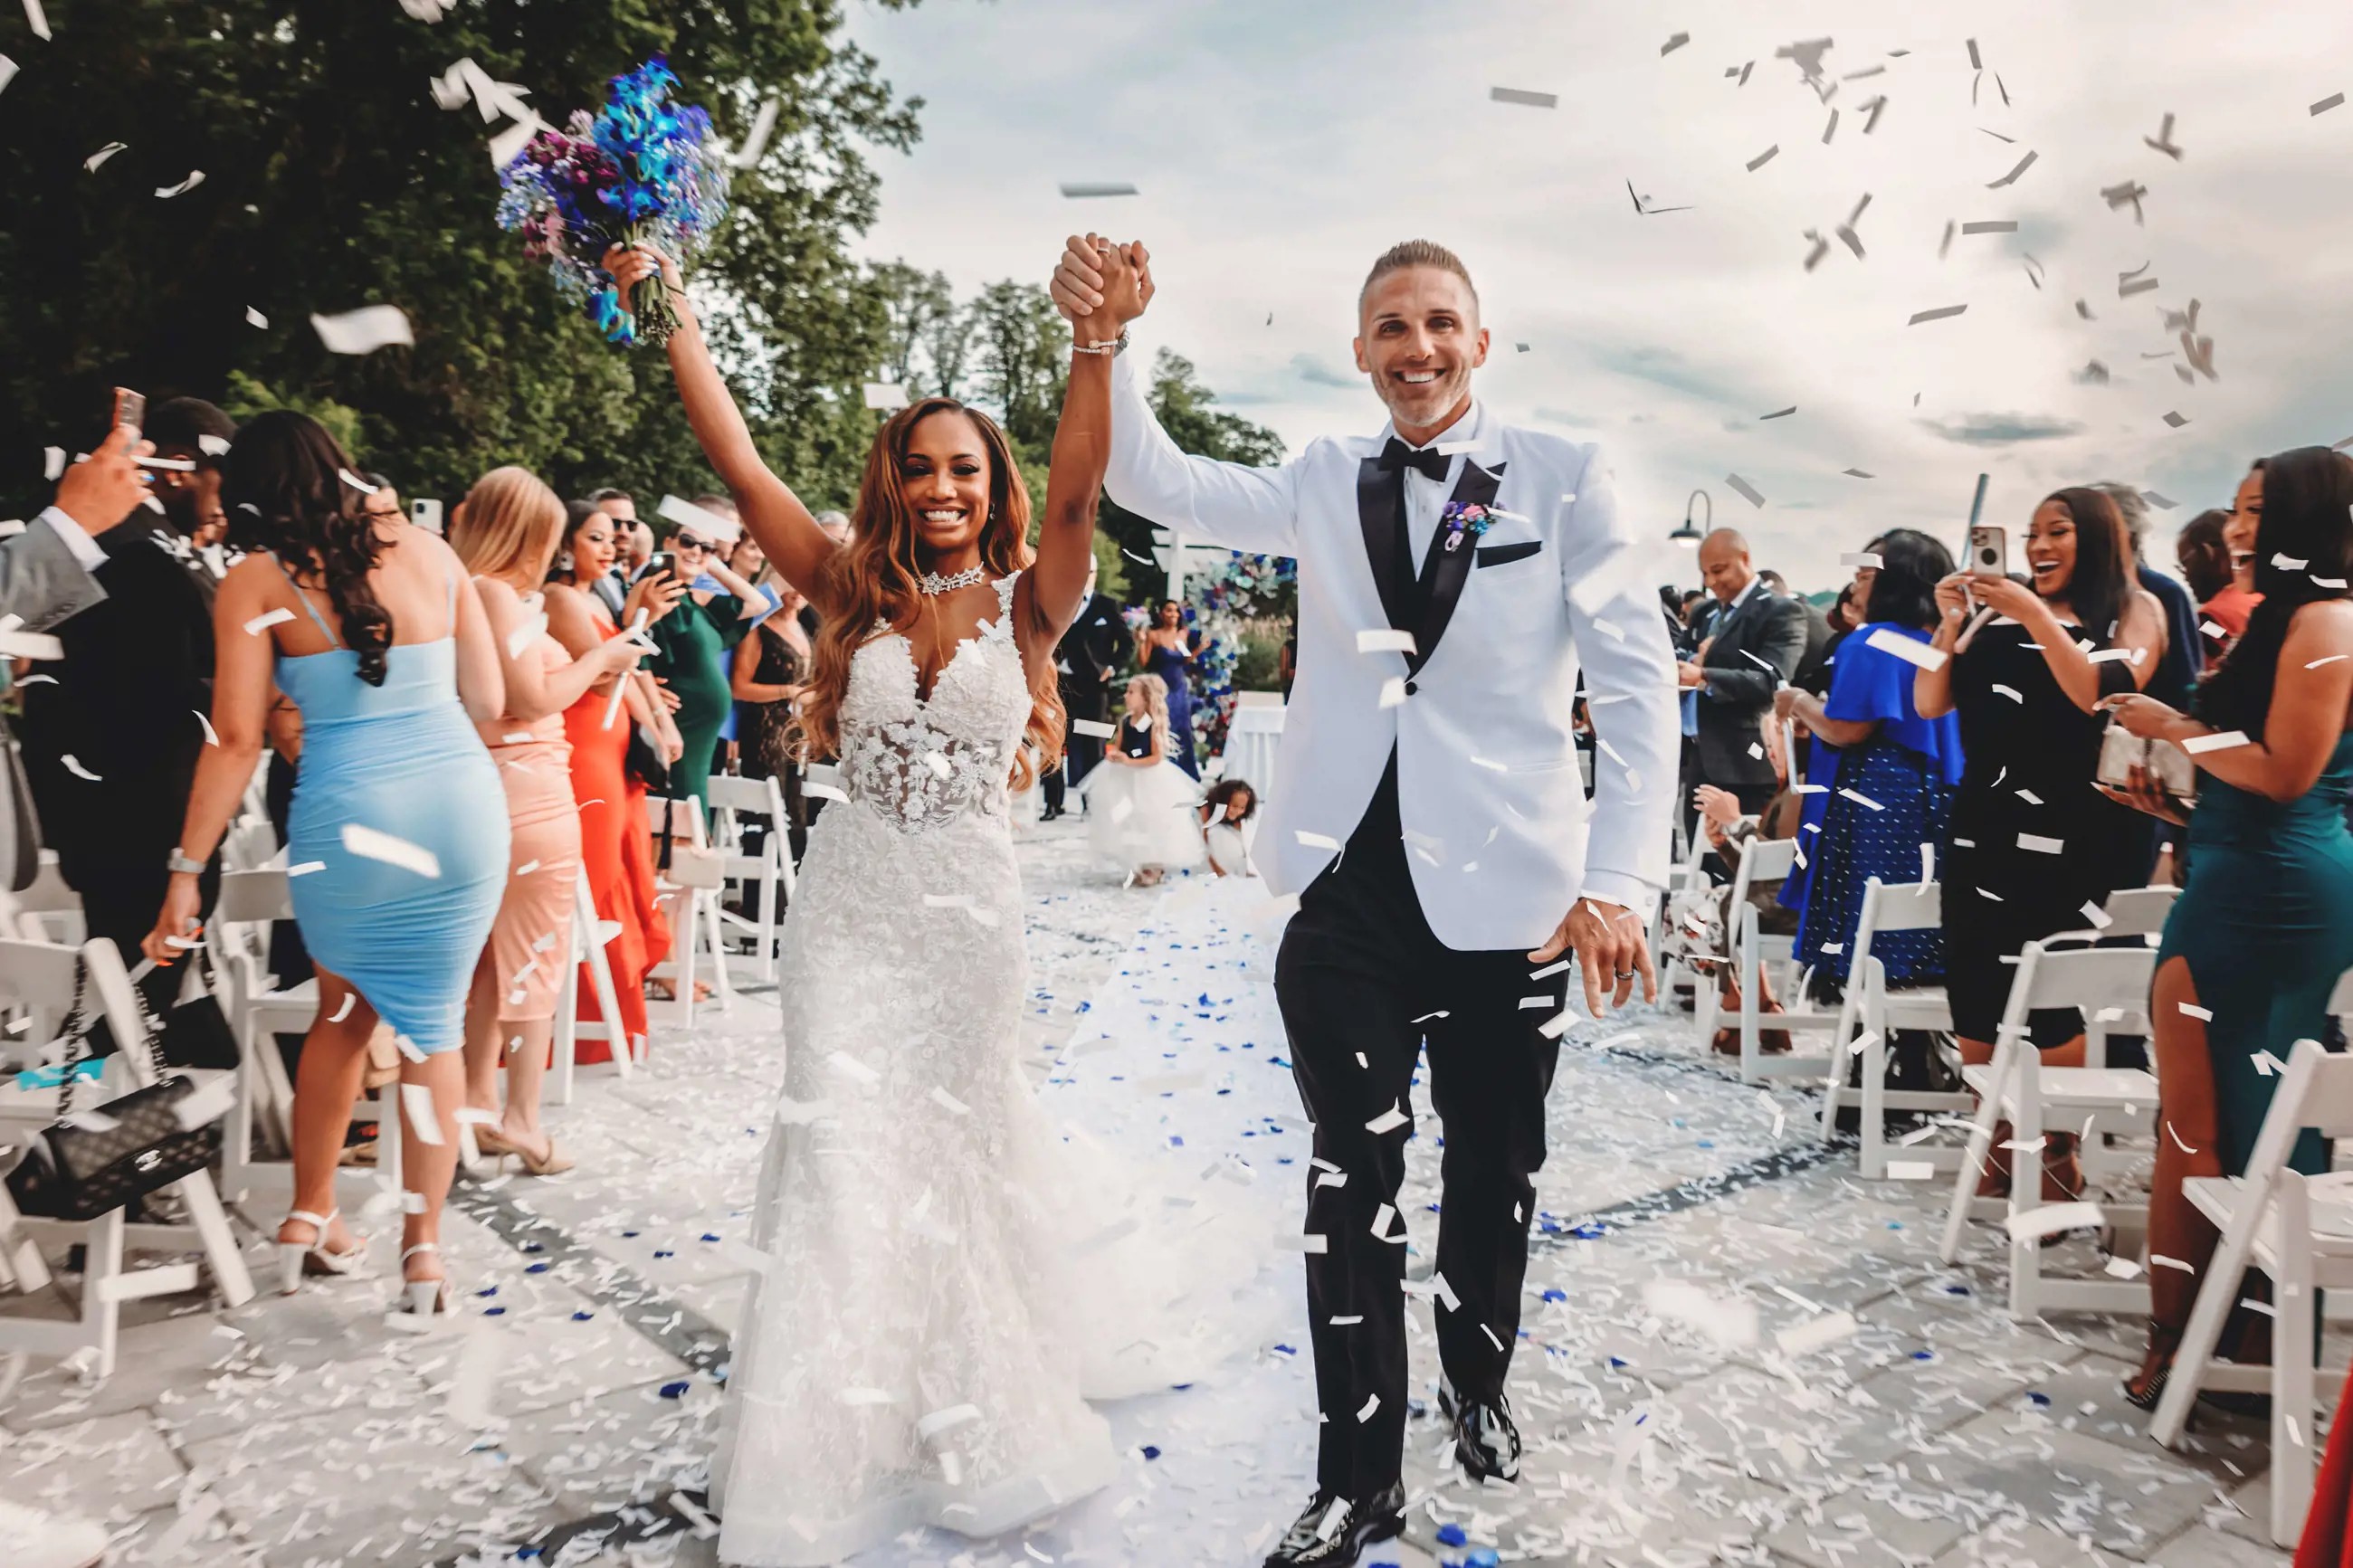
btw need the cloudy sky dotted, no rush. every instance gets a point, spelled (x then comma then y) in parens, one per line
(1278, 147)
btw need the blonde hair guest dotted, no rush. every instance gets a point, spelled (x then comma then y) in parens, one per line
(506, 532)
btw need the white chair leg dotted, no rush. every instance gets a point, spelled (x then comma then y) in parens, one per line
(2294, 1406)
(211, 1222)
(563, 1040)
(21, 1262)
(600, 980)
(1874, 1099)
(1973, 1159)
(1751, 969)
(2217, 1293)
(714, 931)
(101, 1312)
(2025, 1191)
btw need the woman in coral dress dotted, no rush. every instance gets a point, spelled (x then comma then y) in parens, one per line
(615, 847)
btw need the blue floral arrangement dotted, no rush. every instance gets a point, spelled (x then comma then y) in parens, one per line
(641, 169)
(1246, 588)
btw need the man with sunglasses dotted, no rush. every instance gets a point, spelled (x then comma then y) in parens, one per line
(633, 546)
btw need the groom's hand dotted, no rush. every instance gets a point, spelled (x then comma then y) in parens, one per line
(1611, 947)
(1077, 285)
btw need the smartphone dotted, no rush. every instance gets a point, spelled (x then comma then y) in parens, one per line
(1988, 551)
(130, 408)
(661, 560)
(426, 514)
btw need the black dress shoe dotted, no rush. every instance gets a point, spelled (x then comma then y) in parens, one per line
(1050, 814)
(1485, 1438)
(1334, 1530)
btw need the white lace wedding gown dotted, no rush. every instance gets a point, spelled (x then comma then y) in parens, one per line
(949, 1280)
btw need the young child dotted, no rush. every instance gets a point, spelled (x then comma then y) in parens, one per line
(1140, 804)
(1228, 805)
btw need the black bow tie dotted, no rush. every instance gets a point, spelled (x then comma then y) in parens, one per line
(1429, 459)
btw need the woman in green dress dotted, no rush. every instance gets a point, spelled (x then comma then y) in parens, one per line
(2264, 924)
(691, 647)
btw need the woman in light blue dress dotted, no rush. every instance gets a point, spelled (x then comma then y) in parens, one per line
(396, 846)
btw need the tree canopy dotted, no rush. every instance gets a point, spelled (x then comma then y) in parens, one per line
(331, 180)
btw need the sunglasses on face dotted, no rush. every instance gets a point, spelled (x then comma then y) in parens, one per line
(684, 543)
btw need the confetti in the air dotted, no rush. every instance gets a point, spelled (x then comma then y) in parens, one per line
(1081, 190)
(364, 330)
(1744, 490)
(1938, 314)
(371, 843)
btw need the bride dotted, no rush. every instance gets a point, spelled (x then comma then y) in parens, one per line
(931, 1312)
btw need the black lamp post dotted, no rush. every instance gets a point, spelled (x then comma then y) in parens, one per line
(1687, 534)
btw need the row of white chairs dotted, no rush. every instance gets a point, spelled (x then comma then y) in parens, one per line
(41, 950)
(2297, 1230)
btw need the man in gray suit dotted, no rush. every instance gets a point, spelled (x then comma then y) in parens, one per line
(45, 577)
(1753, 645)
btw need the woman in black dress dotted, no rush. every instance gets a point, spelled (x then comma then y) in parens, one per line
(769, 669)
(2034, 839)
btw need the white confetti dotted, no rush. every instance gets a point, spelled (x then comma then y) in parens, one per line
(53, 462)
(2221, 740)
(267, 619)
(254, 318)
(1911, 650)
(75, 768)
(364, 330)
(196, 177)
(1384, 639)
(370, 844)
(98, 158)
(416, 1104)
(2039, 844)
(2052, 1219)
(1388, 1120)
(39, 20)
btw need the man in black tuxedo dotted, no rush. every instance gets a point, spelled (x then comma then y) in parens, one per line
(1754, 641)
(1089, 662)
(111, 746)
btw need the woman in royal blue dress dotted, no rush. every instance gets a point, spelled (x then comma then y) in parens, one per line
(1166, 650)
(396, 846)
(1887, 774)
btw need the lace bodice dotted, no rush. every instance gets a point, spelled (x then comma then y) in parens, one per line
(921, 763)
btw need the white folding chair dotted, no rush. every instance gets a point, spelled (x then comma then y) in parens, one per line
(2138, 911)
(259, 1009)
(1872, 1010)
(48, 911)
(587, 948)
(1755, 953)
(2276, 1220)
(770, 872)
(2110, 987)
(42, 978)
(693, 922)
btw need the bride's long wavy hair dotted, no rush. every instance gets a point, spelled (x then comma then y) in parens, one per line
(285, 488)
(872, 581)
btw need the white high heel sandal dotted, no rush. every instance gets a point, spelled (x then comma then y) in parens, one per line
(296, 1257)
(426, 1297)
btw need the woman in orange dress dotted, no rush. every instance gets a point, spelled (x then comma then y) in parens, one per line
(615, 847)
(506, 531)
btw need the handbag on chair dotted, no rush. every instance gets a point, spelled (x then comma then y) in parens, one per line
(90, 1162)
(695, 866)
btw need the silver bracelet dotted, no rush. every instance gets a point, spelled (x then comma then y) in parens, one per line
(1112, 347)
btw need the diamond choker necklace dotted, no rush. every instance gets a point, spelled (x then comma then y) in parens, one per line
(933, 585)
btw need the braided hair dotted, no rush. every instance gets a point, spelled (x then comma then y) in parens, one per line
(285, 487)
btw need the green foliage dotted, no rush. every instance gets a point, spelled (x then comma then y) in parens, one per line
(247, 398)
(332, 181)
(1258, 667)
(1187, 412)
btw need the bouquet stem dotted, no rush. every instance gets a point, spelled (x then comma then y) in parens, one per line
(649, 301)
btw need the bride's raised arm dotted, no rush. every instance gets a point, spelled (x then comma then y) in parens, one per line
(1057, 581)
(788, 534)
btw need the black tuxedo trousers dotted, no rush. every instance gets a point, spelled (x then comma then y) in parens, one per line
(1363, 984)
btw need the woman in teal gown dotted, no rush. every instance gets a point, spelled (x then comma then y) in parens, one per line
(396, 846)
(2264, 927)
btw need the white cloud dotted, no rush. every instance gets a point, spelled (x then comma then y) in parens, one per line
(1278, 148)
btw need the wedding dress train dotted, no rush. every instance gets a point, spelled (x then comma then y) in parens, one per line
(946, 1280)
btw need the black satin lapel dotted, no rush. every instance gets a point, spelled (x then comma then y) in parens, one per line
(1444, 571)
(1380, 509)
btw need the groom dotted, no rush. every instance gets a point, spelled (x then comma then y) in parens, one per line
(1455, 572)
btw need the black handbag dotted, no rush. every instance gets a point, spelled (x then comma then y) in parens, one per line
(645, 764)
(90, 1162)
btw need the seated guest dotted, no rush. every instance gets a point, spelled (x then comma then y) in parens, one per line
(1701, 924)
(1753, 645)
(1889, 791)
(111, 739)
(2224, 605)
(2264, 924)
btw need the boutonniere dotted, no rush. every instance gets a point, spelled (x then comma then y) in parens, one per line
(1462, 519)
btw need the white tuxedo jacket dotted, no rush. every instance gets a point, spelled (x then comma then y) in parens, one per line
(1497, 828)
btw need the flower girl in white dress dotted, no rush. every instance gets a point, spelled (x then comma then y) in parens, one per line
(1140, 805)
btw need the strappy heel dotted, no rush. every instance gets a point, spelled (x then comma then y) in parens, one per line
(296, 1259)
(2146, 1386)
(497, 1145)
(425, 1298)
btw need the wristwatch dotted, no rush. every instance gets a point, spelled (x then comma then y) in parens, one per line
(181, 865)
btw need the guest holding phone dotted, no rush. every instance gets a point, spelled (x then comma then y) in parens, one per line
(691, 648)
(2032, 842)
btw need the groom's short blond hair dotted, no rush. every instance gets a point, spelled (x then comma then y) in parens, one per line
(1415, 253)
